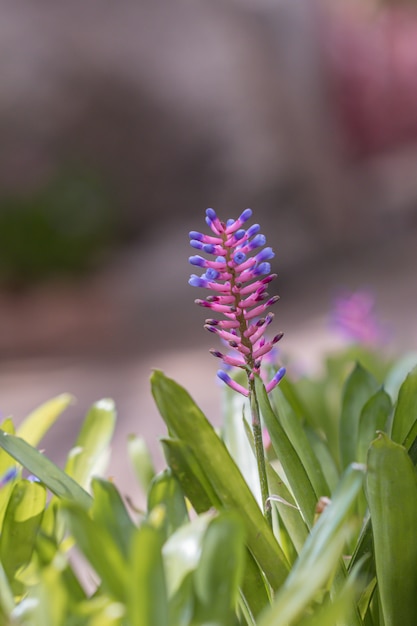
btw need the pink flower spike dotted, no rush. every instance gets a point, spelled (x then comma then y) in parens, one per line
(276, 379)
(232, 383)
(237, 276)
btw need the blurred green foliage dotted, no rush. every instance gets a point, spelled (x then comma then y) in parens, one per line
(62, 228)
(341, 551)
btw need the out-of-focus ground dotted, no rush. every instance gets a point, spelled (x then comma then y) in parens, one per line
(306, 115)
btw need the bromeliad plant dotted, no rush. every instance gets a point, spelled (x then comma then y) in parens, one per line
(239, 279)
(330, 541)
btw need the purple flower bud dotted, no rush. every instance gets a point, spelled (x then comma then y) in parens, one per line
(252, 230)
(212, 274)
(196, 235)
(239, 234)
(265, 255)
(257, 242)
(232, 383)
(239, 257)
(211, 214)
(197, 260)
(209, 248)
(197, 281)
(276, 379)
(262, 268)
(246, 215)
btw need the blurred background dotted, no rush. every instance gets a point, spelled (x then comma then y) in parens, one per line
(121, 122)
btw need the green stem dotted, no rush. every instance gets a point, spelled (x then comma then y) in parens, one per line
(259, 451)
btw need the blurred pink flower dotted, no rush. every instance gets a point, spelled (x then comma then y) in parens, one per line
(353, 315)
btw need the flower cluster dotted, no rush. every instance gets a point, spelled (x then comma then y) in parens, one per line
(238, 275)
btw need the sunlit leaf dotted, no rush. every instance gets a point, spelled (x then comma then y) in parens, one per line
(39, 421)
(50, 474)
(92, 445)
(20, 526)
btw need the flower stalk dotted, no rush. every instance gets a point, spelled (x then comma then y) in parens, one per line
(238, 277)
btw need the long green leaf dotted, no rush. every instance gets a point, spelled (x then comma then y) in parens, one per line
(297, 435)
(217, 587)
(165, 489)
(189, 472)
(20, 526)
(359, 387)
(92, 446)
(109, 511)
(374, 416)
(147, 592)
(37, 423)
(186, 422)
(141, 460)
(50, 474)
(392, 497)
(295, 471)
(99, 548)
(405, 415)
(319, 556)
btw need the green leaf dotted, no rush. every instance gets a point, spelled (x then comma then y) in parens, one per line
(50, 474)
(6, 598)
(20, 526)
(295, 471)
(110, 513)
(296, 434)
(374, 417)
(37, 423)
(359, 387)
(147, 592)
(165, 489)
(185, 466)
(325, 457)
(236, 440)
(182, 551)
(255, 592)
(217, 587)
(6, 463)
(289, 512)
(392, 496)
(141, 461)
(186, 422)
(98, 546)
(320, 555)
(405, 415)
(92, 446)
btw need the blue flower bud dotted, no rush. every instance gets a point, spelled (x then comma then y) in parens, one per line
(246, 215)
(239, 257)
(257, 242)
(239, 234)
(262, 268)
(197, 260)
(211, 274)
(265, 254)
(197, 281)
(211, 214)
(193, 234)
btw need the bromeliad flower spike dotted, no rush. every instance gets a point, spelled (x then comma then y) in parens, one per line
(238, 275)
